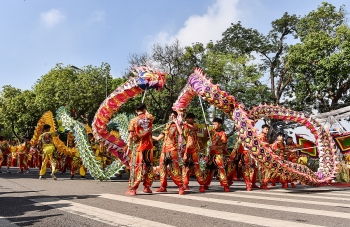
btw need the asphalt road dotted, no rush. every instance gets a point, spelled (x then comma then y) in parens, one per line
(27, 201)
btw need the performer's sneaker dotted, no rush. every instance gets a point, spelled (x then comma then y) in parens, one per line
(8, 171)
(71, 177)
(264, 187)
(186, 187)
(26, 172)
(226, 189)
(82, 177)
(42, 178)
(255, 186)
(161, 189)
(53, 176)
(202, 188)
(181, 191)
(20, 172)
(147, 190)
(130, 192)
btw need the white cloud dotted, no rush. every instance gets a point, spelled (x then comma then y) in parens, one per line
(51, 18)
(203, 28)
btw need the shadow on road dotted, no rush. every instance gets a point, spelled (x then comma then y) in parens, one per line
(27, 211)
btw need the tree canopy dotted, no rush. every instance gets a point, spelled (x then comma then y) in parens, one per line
(312, 74)
(320, 62)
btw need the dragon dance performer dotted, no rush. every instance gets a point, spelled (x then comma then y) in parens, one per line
(23, 156)
(75, 161)
(279, 148)
(292, 154)
(67, 160)
(215, 159)
(140, 135)
(265, 173)
(95, 147)
(169, 155)
(5, 154)
(249, 170)
(233, 162)
(48, 148)
(190, 156)
(290, 147)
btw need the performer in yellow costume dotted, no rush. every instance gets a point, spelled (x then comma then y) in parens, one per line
(48, 148)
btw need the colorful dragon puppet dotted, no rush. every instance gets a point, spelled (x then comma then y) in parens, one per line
(146, 78)
(244, 121)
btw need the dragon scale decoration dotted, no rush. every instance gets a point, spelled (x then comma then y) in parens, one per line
(83, 146)
(146, 78)
(244, 121)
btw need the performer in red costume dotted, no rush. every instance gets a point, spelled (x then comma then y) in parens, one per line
(5, 154)
(292, 154)
(215, 159)
(290, 150)
(140, 135)
(23, 156)
(263, 138)
(190, 156)
(169, 155)
(279, 148)
(249, 168)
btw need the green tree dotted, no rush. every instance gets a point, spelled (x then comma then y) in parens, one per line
(238, 40)
(83, 90)
(321, 61)
(18, 112)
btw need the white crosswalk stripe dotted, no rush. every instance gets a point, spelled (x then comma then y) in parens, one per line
(97, 214)
(260, 201)
(248, 219)
(298, 195)
(261, 206)
(279, 199)
(340, 195)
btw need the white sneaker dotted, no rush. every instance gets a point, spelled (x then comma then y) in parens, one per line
(42, 178)
(26, 172)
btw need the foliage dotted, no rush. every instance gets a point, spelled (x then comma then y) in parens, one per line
(82, 89)
(18, 112)
(321, 61)
(272, 48)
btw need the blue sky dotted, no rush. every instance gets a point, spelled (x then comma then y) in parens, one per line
(37, 34)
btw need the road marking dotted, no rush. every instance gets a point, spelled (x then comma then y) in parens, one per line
(97, 214)
(309, 196)
(335, 194)
(263, 206)
(249, 219)
(6, 223)
(278, 199)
